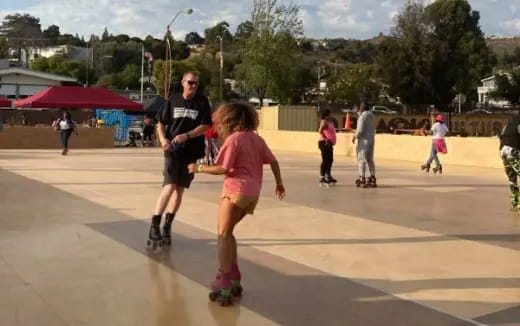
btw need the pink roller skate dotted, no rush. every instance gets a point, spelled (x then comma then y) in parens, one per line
(221, 290)
(236, 277)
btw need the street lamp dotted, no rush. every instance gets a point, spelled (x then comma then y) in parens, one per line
(221, 68)
(168, 67)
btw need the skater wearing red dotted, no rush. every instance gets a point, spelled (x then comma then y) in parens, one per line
(241, 159)
(212, 144)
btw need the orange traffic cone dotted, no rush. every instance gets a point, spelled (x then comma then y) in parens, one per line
(348, 123)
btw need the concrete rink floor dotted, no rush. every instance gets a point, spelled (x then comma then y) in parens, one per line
(419, 250)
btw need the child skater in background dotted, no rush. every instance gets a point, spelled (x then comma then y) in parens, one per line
(439, 131)
(241, 159)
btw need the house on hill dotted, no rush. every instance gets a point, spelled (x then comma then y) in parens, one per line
(488, 87)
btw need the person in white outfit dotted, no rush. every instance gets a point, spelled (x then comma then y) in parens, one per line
(66, 127)
(439, 130)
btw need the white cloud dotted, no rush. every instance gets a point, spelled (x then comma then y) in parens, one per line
(392, 14)
(387, 4)
(513, 24)
(322, 18)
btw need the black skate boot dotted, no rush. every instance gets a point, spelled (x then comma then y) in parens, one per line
(331, 180)
(324, 182)
(167, 227)
(425, 167)
(361, 182)
(371, 182)
(437, 169)
(154, 235)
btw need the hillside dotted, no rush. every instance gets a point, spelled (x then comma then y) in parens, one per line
(503, 45)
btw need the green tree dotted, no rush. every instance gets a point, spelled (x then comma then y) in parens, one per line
(406, 57)
(51, 34)
(105, 81)
(70, 39)
(178, 70)
(61, 66)
(462, 57)
(105, 37)
(129, 77)
(22, 32)
(435, 53)
(508, 87)
(212, 35)
(358, 83)
(41, 64)
(244, 31)
(122, 38)
(193, 38)
(271, 50)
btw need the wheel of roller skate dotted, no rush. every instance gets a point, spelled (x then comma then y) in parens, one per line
(213, 296)
(237, 291)
(224, 301)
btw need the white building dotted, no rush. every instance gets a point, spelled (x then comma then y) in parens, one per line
(484, 91)
(72, 52)
(16, 83)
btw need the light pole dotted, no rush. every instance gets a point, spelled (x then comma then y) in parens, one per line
(167, 67)
(221, 80)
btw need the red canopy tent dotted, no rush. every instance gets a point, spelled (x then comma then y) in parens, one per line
(4, 103)
(78, 98)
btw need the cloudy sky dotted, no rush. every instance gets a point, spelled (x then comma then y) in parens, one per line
(322, 18)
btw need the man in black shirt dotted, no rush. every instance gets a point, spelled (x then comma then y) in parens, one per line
(182, 123)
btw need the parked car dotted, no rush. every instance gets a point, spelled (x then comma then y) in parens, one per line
(479, 111)
(383, 110)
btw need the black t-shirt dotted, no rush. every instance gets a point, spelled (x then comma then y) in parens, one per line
(180, 116)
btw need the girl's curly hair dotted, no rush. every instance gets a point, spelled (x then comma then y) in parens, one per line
(235, 116)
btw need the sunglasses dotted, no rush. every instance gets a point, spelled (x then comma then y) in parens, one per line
(192, 82)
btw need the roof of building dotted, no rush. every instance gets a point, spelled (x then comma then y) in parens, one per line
(44, 75)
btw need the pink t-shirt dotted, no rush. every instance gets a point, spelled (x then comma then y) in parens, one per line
(243, 155)
(329, 132)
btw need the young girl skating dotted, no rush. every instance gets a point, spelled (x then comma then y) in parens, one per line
(439, 131)
(241, 159)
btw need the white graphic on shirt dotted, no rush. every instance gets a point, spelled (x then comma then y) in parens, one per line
(180, 112)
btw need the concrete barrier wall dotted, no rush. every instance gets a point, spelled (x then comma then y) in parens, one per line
(471, 151)
(47, 138)
(303, 118)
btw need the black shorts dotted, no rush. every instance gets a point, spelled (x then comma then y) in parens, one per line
(176, 171)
